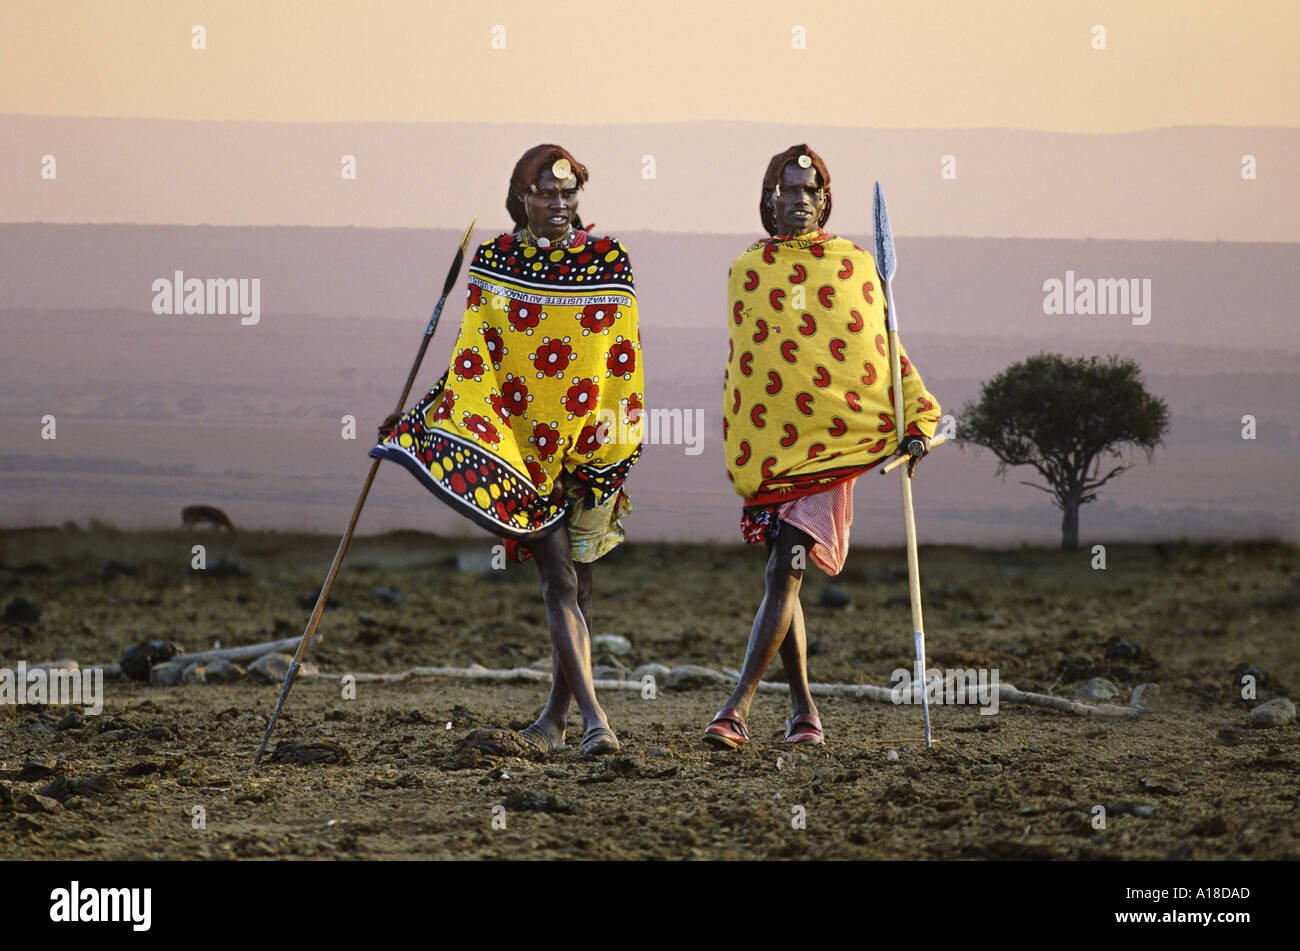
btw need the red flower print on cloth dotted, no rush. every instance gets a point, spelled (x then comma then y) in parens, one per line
(496, 347)
(468, 365)
(552, 357)
(597, 318)
(498, 404)
(547, 440)
(589, 440)
(581, 398)
(515, 395)
(634, 406)
(480, 427)
(523, 316)
(621, 359)
(536, 473)
(445, 405)
(474, 298)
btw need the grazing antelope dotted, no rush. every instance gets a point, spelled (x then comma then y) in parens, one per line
(195, 515)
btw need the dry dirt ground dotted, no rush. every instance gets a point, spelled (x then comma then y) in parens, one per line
(1020, 784)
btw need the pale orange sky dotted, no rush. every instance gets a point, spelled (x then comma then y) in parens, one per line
(921, 64)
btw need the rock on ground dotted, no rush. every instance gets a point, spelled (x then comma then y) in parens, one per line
(1098, 688)
(615, 644)
(166, 675)
(686, 676)
(1272, 713)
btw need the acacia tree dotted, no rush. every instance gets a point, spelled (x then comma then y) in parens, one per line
(1064, 416)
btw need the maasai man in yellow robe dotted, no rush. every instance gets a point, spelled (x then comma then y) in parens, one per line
(532, 430)
(808, 408)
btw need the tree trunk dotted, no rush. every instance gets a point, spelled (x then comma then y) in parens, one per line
(1070, 521)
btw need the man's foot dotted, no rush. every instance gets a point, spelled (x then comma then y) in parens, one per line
(543, 737)
(599, 741)
(728, 729)
(804, 729)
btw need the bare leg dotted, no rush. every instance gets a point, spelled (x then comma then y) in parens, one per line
(775, 615)
(570, 639)
(552, 718)
(794, 656)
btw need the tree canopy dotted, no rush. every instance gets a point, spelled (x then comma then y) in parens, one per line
(1065, 417)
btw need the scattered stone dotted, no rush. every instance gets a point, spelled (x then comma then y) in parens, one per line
(166, 675)
(26, 802)
(1122, 650)
(536, 801)
(22, 611)
(686, 676)
(1160, 785)
(365, 620)
(195, 674)
(273, 668)
(891, 755)
(404, 719)
(606, 672)
(64, 788)
(40, 768)
(1182, 852)
(556, 773)
(72, 721)
(139, 658)
(615, 644)
(833, 597)
(1098, 688)
(41, 723)
(499, 742)
(308, 601)
(223, 672)
(298, 753)
(658, 671)
(1272, 713)
(1230, 736)
(387, 595)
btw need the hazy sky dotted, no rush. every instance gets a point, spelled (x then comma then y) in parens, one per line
(995, 64)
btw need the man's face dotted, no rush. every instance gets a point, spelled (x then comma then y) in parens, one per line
(551, 204)
(802, 200)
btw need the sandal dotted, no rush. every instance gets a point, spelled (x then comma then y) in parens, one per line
(804, 729)
(540, 740)
(719, 733)
(599, 741)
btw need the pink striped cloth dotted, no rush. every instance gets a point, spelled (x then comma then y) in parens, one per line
(826, 516)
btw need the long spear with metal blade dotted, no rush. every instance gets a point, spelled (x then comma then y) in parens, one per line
(887, 264)
(361, 500)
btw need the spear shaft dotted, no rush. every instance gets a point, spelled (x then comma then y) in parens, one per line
(361, 501)
(887, 263)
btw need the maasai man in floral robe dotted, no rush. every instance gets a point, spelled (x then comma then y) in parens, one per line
(532, 430)
(808, 408)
